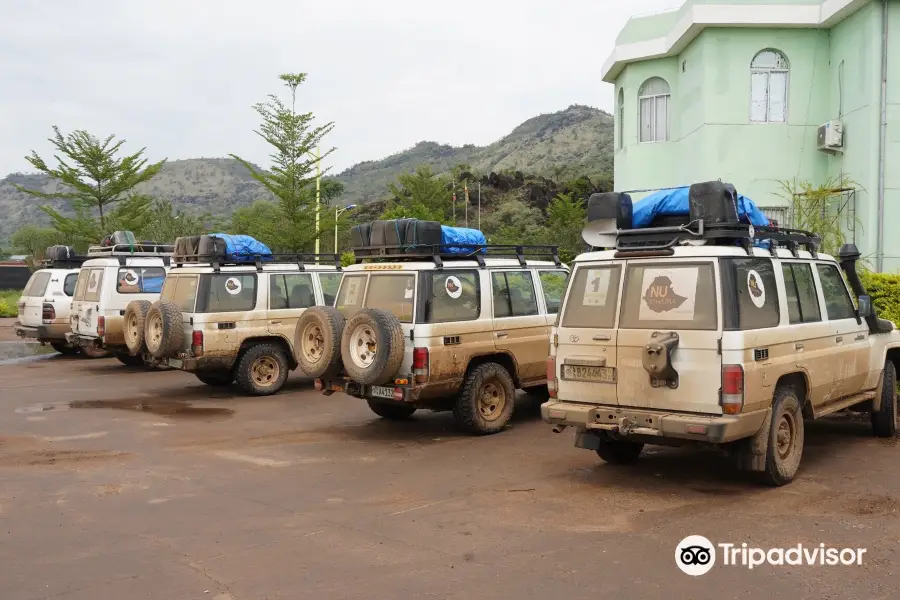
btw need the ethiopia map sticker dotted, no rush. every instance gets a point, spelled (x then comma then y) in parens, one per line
(756, 288)
(93, 282)
(669, 294)
(453, 287)
(233, 286)
(352, 291)
(596, 286)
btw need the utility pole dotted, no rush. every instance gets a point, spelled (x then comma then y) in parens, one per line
(318, 195)
(479, 206)
(466, 187)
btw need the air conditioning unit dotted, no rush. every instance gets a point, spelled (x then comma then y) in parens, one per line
(831, 136)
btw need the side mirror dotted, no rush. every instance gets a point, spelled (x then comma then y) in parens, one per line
(865, 306)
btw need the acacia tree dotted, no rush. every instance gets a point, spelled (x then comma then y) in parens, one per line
(291, 178)
(93, 177)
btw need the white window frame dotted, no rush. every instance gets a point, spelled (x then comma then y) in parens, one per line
(620, 134)
(655, 99)
(768, 71)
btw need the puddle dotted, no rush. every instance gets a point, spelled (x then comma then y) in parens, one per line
(12, 353)
(162, 408)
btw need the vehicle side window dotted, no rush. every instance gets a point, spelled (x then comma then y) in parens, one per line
(837, 301)
(350, 296)
(38, 285)
(140, 280)
(185, 293)
(81, 284)
(669, 296)
(455, 296)
(330, 283)
(395, 293)
(757, 296)
(803, 303)
(168, 288)
(291, 291)
(94, 285)
(513, 294)
(592, 297)
(554, 285)
(229, 292)
(69, 284)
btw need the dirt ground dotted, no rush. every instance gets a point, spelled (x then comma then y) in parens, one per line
(121, 483)
(6, 330)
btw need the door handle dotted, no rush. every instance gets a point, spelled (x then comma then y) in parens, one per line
(502, 334)
(274, 322)
(839, 339)
(603, 337)
(860, 337)
(798, 346)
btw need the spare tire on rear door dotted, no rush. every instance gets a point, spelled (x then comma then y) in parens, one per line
(317, 341)
(135, 320)
(372, 346)
(164, 333)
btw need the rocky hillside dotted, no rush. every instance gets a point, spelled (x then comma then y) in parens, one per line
(568, 143)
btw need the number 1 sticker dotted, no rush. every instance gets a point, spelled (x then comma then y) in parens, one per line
(595, 287)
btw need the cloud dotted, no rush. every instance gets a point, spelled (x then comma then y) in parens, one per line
(179, 77)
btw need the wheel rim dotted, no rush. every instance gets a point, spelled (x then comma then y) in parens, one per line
(265, 371)
(312, 343)
(492, 401)
(785, 435)
(154, 331)
(132, 328)
(363, 346)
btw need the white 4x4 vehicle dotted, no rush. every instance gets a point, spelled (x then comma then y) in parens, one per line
(232, 322)
(111, 278)
(726, 343)
(441, 332)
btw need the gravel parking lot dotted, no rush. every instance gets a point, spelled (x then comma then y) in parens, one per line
(121, 483)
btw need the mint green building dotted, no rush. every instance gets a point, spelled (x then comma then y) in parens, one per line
(755, 92)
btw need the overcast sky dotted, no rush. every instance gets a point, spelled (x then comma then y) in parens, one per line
(180, 76)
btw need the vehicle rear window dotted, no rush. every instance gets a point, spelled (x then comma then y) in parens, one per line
(455, 296)
(227, 292)
(592, 297)
(140, 280)
(184, 293)
(37, 285)
(669, 296)
(757, 297)
(350, 296)
(800, 289)
(69, 284)
(94, 285)
(81, 284)
(553, 283)
(330, 284)
(292, 290)
(395, 293)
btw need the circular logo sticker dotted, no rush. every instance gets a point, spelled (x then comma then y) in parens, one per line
(453, 287)
(695, 555)
(131, 277)
(756, 289)
(233, 286)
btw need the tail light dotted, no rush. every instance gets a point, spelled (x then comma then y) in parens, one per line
(197, 343)
(319, 384)
(732, 389)
(101, 327)
(420, 364)
(551, 376)
(48, 313)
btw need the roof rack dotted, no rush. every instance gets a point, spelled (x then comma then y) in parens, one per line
(136, 250)
(433, 252)
(217, 261)
(72, 262)
(655, 239)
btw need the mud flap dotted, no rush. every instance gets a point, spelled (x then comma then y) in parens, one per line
(750, 453)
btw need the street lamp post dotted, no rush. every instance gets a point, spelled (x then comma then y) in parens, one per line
(338, 212)
(318, 157)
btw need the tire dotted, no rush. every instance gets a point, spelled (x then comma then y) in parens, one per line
(215, 378)
(486, 401)
(393, 412)
(130, 360)
(94, 352)
(261, 370)
(884, 420)
(134, 322)
(317, 341)
(164, 334)
(619, 452)
(372, 346)
(785, 432)
(64, 348)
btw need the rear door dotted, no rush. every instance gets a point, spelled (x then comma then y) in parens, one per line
(182, 290)
(289, 295)
(32, 302)
(586, 353)
(519, 327)
(231, 310)
(677, 296)
(84, 312)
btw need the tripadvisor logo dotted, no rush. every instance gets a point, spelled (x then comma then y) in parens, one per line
(695, 555)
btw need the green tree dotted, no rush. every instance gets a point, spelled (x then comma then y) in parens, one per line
(33, 241)
(165, 223)
(420, 195)
(291, 178)
(566, 217)
(515, 222)
(260, 220)
(93, 177)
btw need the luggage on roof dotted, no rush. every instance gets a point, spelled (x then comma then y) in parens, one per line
(233, 248)
(710, 201)
(59, 253)
(414, 237)
(117, 238)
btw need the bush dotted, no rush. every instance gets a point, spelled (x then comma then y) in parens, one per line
(884, 288)
(8, 301)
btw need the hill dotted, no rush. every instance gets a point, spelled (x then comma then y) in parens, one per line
(574, 141)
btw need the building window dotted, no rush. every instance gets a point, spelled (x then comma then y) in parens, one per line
(654, 109)
(621, 108)
(768, 87)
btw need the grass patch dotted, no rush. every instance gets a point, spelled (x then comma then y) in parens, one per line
(8, 301)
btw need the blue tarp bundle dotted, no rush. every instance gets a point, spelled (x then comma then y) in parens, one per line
(675, 202)
(152, 285)
(243, 247)
(461, 235)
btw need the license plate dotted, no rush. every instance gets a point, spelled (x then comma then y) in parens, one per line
(382, 392)
(582, 373)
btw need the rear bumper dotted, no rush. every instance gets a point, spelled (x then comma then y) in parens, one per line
(399, 393)
(193, 364)
(653, 424)
(48, 333)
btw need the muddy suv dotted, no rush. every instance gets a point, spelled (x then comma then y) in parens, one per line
(444, 333)
(732, 339)
(232, 321)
